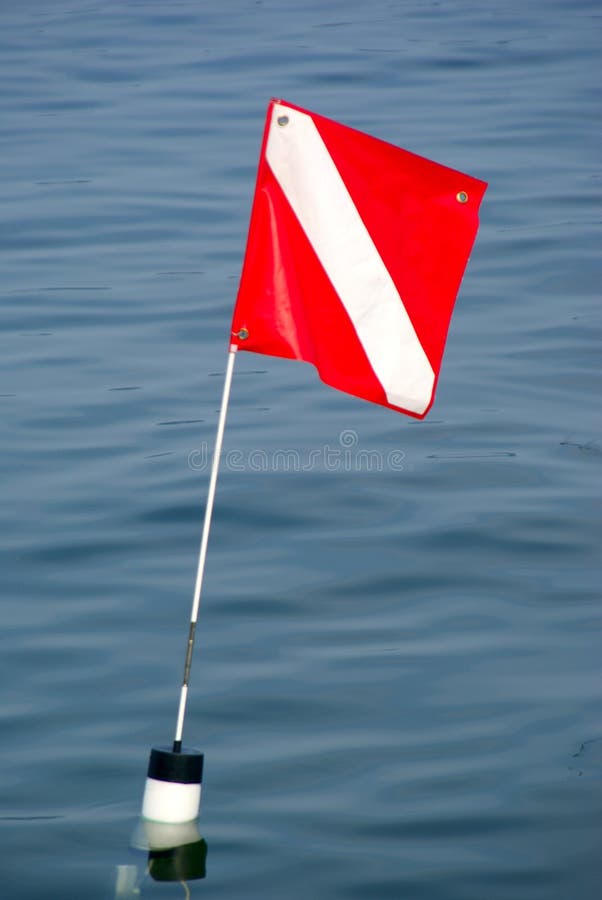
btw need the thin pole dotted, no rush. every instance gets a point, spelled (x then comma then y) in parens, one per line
(221, 424)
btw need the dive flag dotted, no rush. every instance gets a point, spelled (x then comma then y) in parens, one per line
(355, 254)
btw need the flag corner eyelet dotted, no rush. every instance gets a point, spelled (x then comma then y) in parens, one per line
(462, 197)
(242, 335)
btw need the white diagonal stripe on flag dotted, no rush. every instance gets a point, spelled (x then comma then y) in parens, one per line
(321, 202)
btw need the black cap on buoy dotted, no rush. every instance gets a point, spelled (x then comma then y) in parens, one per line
(185, 767)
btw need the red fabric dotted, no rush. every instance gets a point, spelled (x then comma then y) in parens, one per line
(424, 236)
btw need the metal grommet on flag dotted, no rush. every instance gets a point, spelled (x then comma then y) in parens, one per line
(282, 120)
(242, 334)
(462, 197)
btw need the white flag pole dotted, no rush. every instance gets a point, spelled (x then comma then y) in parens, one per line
(172, 793)
(221, 424)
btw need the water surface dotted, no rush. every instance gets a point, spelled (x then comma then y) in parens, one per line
(397, 679)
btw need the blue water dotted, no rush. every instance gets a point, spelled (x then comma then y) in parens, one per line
(397, 679)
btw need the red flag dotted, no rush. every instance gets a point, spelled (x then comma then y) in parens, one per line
(355, 254)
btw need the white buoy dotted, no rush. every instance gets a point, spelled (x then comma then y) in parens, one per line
(172, 793)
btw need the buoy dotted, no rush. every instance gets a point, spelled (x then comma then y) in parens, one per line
(172, 793)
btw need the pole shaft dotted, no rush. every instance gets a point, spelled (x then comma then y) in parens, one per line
(221, 424)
